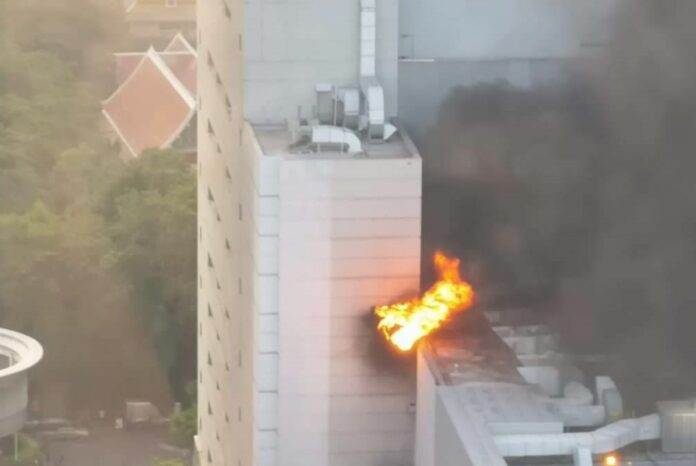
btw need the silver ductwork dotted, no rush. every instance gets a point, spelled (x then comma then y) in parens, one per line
(372, 91)
(335, 136)
(368, 38)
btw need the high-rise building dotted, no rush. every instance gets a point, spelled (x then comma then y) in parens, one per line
(309, 215)
(310, 204)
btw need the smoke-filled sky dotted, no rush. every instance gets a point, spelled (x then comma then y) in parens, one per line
(581, 199)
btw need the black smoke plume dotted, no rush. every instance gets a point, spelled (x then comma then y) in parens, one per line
(580, 199)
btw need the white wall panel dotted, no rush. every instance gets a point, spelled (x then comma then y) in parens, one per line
(267, 410)
(320, 268)
(353, 228)
(349, 209)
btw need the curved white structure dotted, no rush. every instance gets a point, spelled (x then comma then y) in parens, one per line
(23, 352)
(336, 135)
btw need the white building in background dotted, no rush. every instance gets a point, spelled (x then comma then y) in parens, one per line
(309, 215)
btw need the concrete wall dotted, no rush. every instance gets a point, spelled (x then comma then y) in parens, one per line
(462, 438)
(226, 422)
(502, 29)
(292, 45)
(449, 449)
(324, 260)
(337, 407)
(425, 414)
(259, 283)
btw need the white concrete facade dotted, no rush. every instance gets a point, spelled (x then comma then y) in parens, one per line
(294, 251)
(289, 46)
(330, 237)
(473, 30)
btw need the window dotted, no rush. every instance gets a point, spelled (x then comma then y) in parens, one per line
(210, 360)
(228, 106)
(210, 311)
(210, 409)
(170, 3)
(228, 13)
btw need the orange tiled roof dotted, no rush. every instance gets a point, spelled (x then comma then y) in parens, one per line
(182, 64)
(154, 103)
(184, 68)
(125, 65)
(179, 44)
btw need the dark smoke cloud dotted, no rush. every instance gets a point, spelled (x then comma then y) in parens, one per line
(581, 199)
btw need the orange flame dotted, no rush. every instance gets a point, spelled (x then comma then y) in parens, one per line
(404, 324)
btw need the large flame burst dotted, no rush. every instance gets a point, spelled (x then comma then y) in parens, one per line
(404, 324)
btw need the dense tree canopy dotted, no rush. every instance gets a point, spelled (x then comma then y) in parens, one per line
(150, 212)
(97, 257)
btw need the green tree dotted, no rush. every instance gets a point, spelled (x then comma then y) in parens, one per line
(159, 462)
(150, 213)
(184, 425)
(58, 282)
(27, 451)
(55, 284)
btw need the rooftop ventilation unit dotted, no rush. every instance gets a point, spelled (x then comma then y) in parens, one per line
(678, 420)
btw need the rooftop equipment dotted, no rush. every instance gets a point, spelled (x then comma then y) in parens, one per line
(678, 426)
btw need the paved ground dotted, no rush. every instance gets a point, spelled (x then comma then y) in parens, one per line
(107, 446)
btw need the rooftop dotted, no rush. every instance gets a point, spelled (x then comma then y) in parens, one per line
(468, 350)
(155, 100)
(278, 141)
